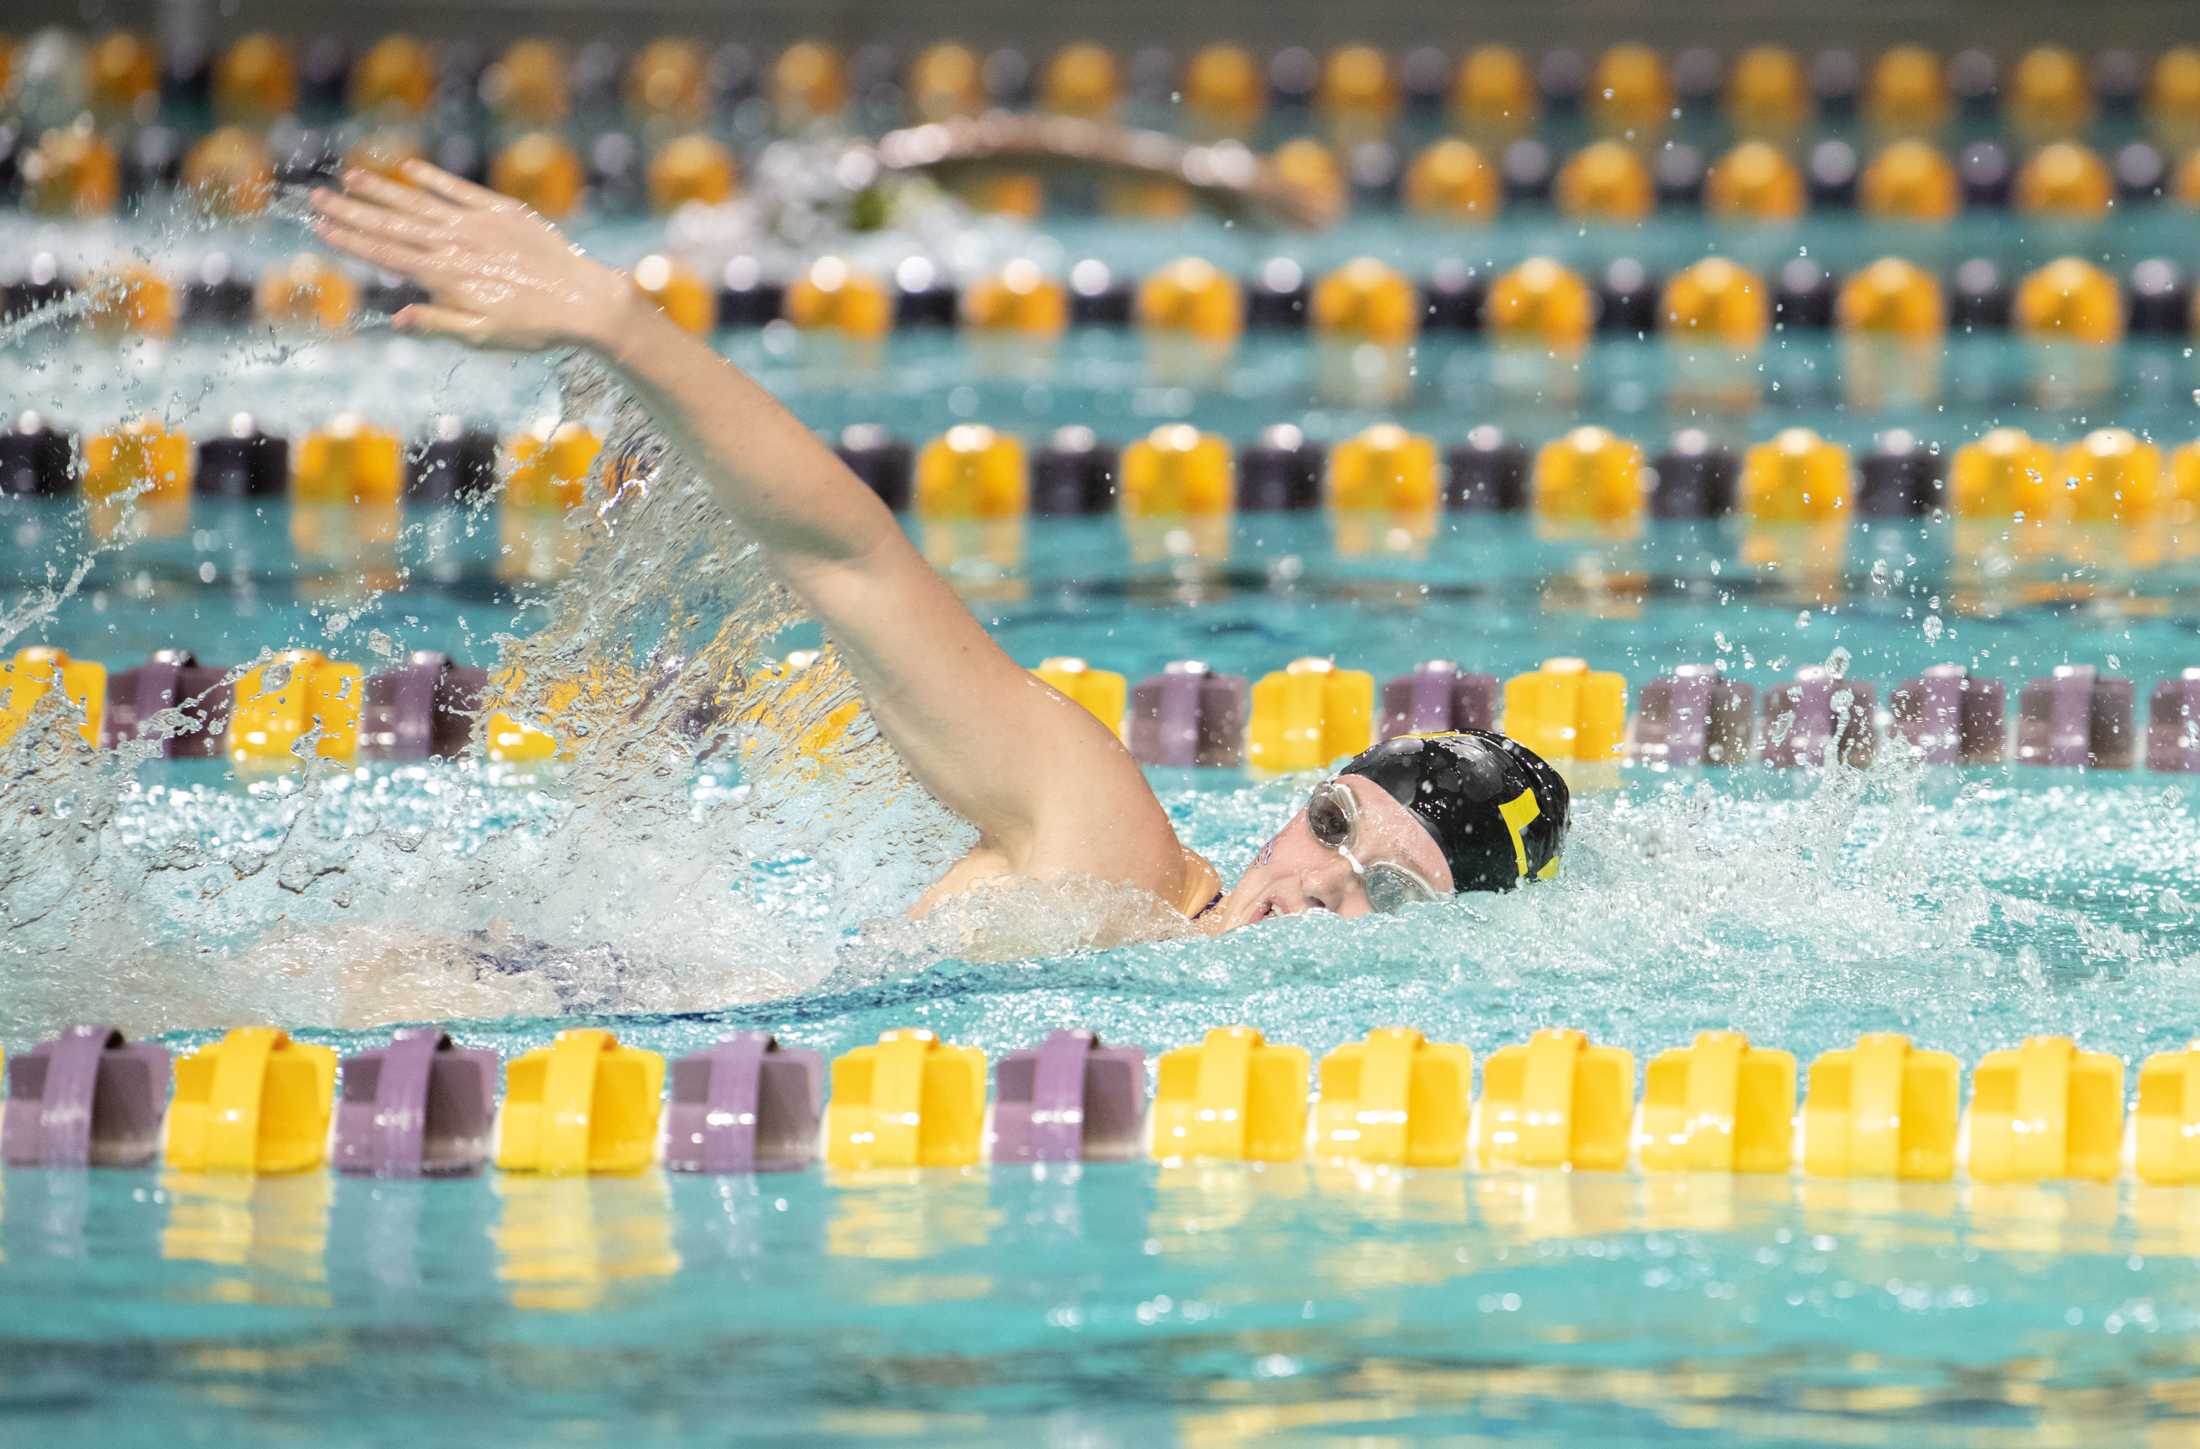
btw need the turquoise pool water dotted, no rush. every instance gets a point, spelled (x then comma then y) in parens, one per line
(675, 902)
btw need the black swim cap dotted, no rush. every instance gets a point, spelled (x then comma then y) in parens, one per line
(1496, 809)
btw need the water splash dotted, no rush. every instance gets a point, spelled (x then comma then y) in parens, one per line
(627, 879)
(719, 829)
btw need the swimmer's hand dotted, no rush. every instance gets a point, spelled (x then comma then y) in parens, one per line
(497, 275)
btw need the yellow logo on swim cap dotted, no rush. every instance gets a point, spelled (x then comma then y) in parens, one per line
(1520, 812)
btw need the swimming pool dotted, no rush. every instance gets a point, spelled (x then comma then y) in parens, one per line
(675, 901)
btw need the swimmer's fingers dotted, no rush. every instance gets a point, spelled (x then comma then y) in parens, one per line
(393, 195)
(454, 189)
(431, 320)
(390, 255)
(375, 221)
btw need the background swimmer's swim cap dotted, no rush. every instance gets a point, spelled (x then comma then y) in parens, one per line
(1497, 811)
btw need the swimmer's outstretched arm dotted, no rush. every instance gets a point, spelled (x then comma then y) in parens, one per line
(1049, 788)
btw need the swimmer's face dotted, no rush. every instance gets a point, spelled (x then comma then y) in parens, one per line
(1295, 872)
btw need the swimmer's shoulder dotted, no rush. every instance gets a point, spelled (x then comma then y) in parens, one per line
(1201, 885)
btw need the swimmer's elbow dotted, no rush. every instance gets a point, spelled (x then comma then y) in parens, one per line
(854, 536)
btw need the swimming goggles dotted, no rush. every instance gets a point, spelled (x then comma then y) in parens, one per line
(1333, 814)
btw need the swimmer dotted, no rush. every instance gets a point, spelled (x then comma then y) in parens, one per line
(1051, 791)
(1224, 176)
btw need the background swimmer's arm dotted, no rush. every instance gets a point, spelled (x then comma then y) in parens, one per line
(1226, 176)
(1049, 788)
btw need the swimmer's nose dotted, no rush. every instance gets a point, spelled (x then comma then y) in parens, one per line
(1330, 887)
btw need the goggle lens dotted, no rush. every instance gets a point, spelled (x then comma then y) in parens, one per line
(1333, 816)
(1393, 888)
